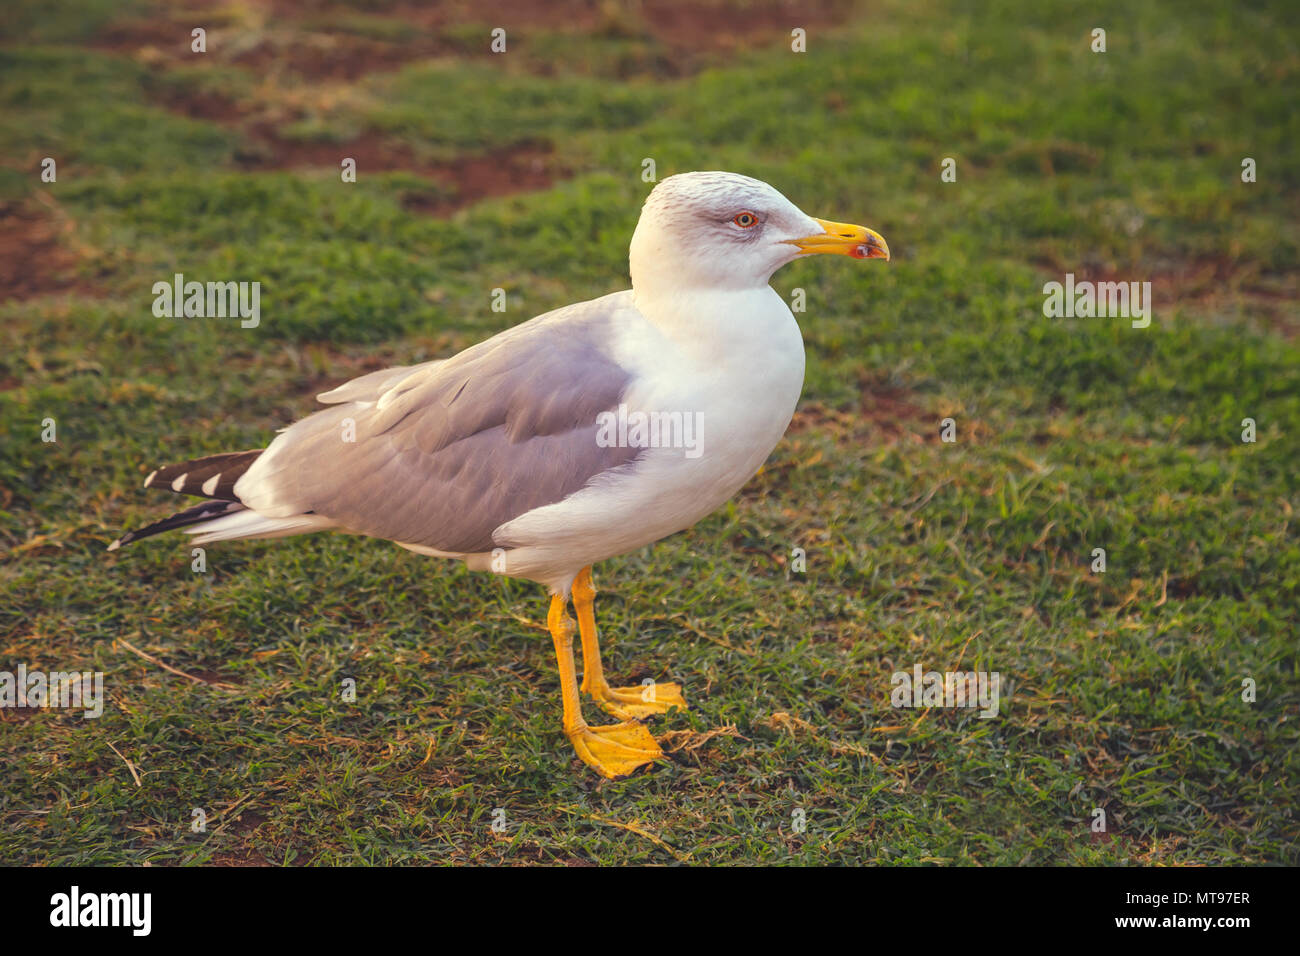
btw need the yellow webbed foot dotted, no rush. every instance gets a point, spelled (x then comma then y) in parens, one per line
(625, 703)
(615, 750)
(638, 702)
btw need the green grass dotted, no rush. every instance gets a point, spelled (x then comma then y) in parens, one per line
(1125, 687)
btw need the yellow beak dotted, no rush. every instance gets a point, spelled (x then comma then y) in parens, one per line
(844, 239)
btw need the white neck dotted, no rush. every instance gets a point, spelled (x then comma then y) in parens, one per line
(744, 331)
(719, 318)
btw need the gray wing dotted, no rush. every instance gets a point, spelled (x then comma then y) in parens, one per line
(447, 452)
(368, 388)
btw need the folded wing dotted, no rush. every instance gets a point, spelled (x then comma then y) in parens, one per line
(442, 454)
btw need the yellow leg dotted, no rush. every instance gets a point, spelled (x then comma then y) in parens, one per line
(613, 751)
(627, 703)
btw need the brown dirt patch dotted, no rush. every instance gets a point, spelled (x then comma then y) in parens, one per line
(246, 822)
(314, 40)
(521, 167)
(233, 858)
(323, 39)
(583, 15)
(682, 24)
(731, 24)
(889, 410)
(315, 55)
(337, 56)
(206, 105)
(1205, 285)
(268, 150)
(886, 414)
(35, 258)
(166, 37)
(526, 167)
(15, 715)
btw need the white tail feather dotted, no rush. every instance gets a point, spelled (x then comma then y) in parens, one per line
(250, 524)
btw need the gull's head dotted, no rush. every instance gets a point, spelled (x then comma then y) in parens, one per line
(724, 230)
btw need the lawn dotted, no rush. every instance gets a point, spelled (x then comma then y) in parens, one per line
(1122, 690)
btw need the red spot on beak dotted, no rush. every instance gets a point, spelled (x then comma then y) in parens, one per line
(867, 251)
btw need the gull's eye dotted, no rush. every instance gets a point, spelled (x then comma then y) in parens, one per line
(746, 220)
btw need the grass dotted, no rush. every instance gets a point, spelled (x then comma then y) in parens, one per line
(1125, 687)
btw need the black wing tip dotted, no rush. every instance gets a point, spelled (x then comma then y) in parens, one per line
(213, 476)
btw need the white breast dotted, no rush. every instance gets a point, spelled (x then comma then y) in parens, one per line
(734, 361)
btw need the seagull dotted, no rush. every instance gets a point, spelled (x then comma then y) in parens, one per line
(584, 433)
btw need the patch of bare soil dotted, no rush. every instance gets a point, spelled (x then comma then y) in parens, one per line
(206, 105)
(169, 38)
(313, 40)
(268, 150)
(730, 24)
(885, 414)
(238, 858)
(320, 38)
(889, 410)
(524, 167)
(686, 24)
(35, 259)
(681, 24)
(246, 822)
(338, 56)
(520, 167)
(1209, 284)
(14, 715)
